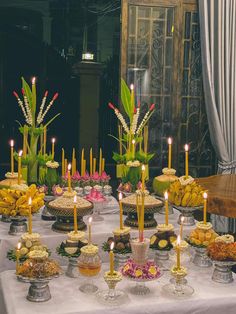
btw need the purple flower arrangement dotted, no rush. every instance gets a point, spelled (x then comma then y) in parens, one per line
(148, 271)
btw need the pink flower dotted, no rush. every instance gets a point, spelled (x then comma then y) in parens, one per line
(95, 196)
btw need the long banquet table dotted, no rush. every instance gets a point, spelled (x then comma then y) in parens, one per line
(209, 297)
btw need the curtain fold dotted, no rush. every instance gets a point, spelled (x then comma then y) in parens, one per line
(218, 45)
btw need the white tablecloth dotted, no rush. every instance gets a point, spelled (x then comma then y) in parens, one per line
(209, 297)
(100, 232)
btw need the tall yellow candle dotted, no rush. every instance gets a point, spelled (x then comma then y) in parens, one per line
(12, 155)
(100, 161)
(166, 208)
(90, 230)
(132, 95)
(91, 161)
(69, 177)
(82, 162)
(205, 207)
(169, 151)
(44, 140)
(94, 164)
(138, 209)
(62, 162)
(30, 216)
(143, 177)
(84, 167)
(181, 227)
(103, 165)
(53, 147)
(19, 167)
(186, 148)
(177, 248)
(18, 247)
(111, 256)
(121, 211)
(73, 162)
(142, 218)
(75, 215)
(65, 166)
(133, 149)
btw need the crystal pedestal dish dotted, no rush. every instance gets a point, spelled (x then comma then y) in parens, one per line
(89, 264)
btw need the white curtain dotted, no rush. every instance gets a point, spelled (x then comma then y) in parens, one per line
(218, 45)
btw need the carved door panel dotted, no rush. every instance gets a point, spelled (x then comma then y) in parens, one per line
(161, 56)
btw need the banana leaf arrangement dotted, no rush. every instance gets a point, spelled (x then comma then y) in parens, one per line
(132, 138)
(34, 128)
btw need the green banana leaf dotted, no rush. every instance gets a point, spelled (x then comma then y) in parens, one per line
(126, 99)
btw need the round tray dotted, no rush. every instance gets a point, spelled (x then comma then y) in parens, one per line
(65, 217)
(149, 211)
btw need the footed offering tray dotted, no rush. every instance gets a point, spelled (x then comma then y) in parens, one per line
(187, 214)
(18, 225)
(222, 272)
(151, 206)
(63, 209)
(200, 258)
(39, 290)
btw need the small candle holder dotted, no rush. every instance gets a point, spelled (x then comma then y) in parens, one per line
(200, 258)
(177, 286)
(222, 272)
(72, 268)
(112, 296)
(18, 226)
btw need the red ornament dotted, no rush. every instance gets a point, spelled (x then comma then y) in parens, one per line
(152, 107)
(15, 94)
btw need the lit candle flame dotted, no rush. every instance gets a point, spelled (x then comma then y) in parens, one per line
(11, 143)
(143, 168)
(120, 196)
(112, 246)
(131, 86)
(90, 220)
(182, 220)
(20, 153)
(178, 240)
(30, 201)
(33, 80)
(133, 142)
(169, 140)
(69, 167)
(186, 147)
(166, 195)
(18, 245)
(75, 199)
(53, 140)
(205, 195)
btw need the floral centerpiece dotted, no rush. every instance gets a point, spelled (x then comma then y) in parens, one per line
(132, 138)
(34, 127)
